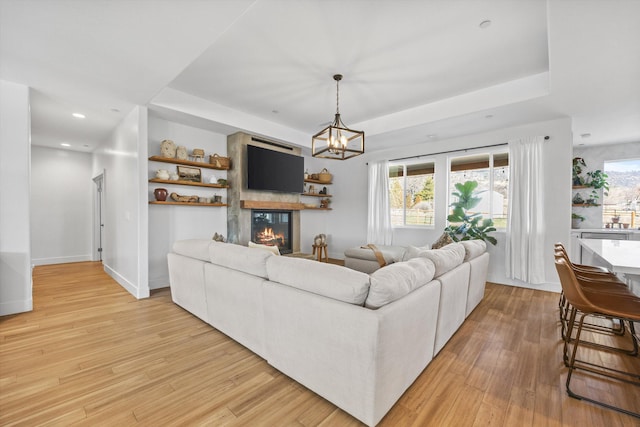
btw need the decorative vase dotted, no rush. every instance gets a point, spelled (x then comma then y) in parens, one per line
(162, 174)
(181, 153)
(168, 148)
(160, 194)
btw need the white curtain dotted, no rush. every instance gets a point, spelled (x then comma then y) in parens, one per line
(379, 229)
(525, 232)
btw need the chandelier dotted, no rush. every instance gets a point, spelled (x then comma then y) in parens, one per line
(337, 141)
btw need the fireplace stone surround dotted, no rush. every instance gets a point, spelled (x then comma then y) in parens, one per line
(239, 218)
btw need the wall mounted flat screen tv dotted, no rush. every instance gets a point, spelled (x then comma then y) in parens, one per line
(271, 170)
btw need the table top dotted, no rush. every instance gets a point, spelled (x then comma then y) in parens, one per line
(623, 255)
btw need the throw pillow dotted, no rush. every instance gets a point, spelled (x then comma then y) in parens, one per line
(446, 258)
(443, 240)
(273, 249)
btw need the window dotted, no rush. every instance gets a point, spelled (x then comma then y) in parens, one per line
(411, 193)
(622, 204)
(491, 172)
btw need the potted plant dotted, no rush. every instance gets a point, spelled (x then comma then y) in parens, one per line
(576, 220)
(615, 218)
(593, 198)
(578, 164)
(462, 224)
(597, 180)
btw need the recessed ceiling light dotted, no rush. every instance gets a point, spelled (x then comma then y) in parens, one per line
(431, 136)
(485, 24)
(115, 110)
(275, 111)
(65, 144)
(86, 145)
(585, 135)
(78, 115)
(488, 116)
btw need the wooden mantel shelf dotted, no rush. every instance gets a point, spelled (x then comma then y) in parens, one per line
(261, 204)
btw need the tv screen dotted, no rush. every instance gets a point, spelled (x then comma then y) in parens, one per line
(274, 170)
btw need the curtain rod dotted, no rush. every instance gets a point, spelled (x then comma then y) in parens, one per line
(454, 151)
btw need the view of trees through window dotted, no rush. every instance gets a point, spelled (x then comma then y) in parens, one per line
(491, 171)
(411, 193)
(622, 204)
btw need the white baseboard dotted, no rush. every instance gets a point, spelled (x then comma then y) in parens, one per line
(61, 260)
(130, 287)
(159, 282)
(14, 307)
(549, 287)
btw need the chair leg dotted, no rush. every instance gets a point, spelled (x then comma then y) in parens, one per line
(572, 365)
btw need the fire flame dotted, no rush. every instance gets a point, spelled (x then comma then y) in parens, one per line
(268, 237)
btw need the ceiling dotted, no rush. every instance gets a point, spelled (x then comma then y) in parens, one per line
(414, 71)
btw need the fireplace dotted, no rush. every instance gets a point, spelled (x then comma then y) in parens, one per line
(272, 228)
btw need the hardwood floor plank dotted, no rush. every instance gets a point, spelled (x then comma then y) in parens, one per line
(91, 354)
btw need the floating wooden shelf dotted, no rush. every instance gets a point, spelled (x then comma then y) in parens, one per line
(584, 205)
(195, 184)
(262, 204)
(315, 181)
(185, 162)
(316, 195)
(156, 202)
(575, 187)
(317, 209)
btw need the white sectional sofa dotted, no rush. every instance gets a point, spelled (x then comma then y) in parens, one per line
(357, 340)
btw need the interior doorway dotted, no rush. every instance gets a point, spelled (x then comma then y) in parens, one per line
(98, 221)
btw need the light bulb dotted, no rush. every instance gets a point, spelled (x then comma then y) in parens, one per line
(343, 140)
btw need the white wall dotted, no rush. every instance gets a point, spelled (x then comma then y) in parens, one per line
(61, 206)
(123, 157)
(346, 224)
(15, 163)
(594, 157)
(170, 223)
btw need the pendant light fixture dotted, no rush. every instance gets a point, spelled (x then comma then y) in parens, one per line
(337, 141)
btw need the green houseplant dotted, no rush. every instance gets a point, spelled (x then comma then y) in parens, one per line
(576, 220)
(462, 224)
(578, 164)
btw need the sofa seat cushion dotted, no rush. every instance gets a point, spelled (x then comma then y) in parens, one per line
(241, 258)
(390, 253)
(397, 280)
(329, 280)
(473, 248)
(193, 248)
(446, 258)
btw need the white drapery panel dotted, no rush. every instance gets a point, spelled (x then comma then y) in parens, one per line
(379, 229)
(525, 231)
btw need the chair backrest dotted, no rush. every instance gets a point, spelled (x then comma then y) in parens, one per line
(572, 291)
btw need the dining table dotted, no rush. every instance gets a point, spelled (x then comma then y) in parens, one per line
(620, 256)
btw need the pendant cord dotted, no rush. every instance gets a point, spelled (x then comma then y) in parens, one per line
(337, 96)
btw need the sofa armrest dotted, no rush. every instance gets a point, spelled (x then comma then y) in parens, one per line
(361, 360)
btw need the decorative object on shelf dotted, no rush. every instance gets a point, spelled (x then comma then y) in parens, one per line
(578, 164)
(162, 174)
(222, 181)
(577, 199)
(173, 176)
(168, 148)
(190, 174)
(218, 237)
(324, 203)
(306, 173)
(160, 194)
(197, 154)
(217, 199)
(337, 141)
(203, 199)
(464, 225)
(219, 161)
(324, 176)
(597, 180)
(184, 199)
(323, 191)
(213, 179)
(181, 153)
(576, 220)
(312, 189)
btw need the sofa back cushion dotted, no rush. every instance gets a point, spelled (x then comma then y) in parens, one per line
(394, 281)
(193, 248)
(446, 258)
(241, 258)
(473, 248)
(332, 281)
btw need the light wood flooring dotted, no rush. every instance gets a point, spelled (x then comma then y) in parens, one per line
(90, 354)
